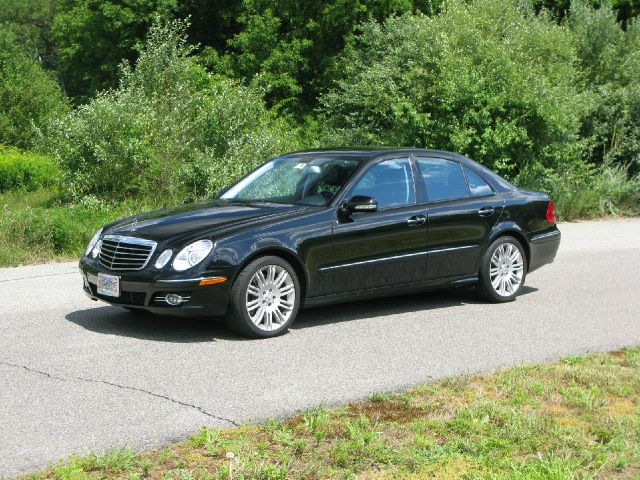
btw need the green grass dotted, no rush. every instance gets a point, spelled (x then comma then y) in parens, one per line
(37, 227)
(574, 419)
(26, 171)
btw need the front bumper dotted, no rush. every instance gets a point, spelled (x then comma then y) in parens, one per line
(145, 289)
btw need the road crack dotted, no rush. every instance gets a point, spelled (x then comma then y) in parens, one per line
(123, 387)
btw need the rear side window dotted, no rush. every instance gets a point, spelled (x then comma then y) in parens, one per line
(477, 185)
(443, 179)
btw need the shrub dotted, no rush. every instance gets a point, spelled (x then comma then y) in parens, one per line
(171, 130)
(29, 97)
(26, 171)
(486, 78)
(584, 190)
(609, 57)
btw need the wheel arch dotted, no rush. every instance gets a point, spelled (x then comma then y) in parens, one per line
(515, 232)
(285, 254)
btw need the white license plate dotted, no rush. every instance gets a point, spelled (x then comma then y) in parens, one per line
(108, 285)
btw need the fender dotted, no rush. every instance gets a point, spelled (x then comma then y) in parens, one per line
(247, 250)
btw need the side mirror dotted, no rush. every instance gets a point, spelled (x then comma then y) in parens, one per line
(360, 203)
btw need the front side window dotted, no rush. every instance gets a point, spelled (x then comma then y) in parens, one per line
(443, 179)
(305, 180)
(390, 182)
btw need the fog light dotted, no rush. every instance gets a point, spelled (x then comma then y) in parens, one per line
(174, 299)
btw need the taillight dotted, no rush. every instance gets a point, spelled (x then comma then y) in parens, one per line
(551, 214)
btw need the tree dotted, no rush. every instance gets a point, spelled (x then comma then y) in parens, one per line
(287, 47)
(170, 131)
(94, 36)
(30, 21)
(29, 96)
(625, 9)
(485, 78)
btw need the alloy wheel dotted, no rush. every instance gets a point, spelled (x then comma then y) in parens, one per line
(506, 269)
(270, 298)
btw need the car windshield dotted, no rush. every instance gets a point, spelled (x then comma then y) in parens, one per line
(304, 180)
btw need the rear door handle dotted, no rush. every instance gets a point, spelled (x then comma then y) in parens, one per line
(416, 220)
(486, 211)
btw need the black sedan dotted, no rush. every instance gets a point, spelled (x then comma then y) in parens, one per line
(316, 227)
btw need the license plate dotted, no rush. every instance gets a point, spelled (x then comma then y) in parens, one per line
(108, 285)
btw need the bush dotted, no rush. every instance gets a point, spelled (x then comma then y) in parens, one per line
(29, 97)
(26, 171)
(583, 190)
(486, 78)
(171, 130)
(609, 58)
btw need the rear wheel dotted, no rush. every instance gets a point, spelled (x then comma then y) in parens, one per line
(264, 298)
(503, 270)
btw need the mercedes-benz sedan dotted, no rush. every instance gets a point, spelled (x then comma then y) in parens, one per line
(316, 227)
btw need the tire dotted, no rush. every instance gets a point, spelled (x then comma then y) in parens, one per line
(264, 299)
(503, 270)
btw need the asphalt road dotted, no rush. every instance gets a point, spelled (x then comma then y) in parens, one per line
(78, 376)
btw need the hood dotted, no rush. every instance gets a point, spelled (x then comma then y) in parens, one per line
(187, 221)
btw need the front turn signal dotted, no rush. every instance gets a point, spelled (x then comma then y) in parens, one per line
(212, 281)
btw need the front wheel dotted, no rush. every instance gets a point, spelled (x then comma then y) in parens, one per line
(502, 270)
(264, 298)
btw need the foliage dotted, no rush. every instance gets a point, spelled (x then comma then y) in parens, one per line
(485, 78)
(170, 129)
(573, 419)
(29, 97)
(37, 227)
(26, 171)
(583, 190)
(287, 47)
(610, 60)
(625, 9)
(94, 36)
(30, 21)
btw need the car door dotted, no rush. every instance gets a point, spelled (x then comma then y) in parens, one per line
(384, 247)
(461, 208)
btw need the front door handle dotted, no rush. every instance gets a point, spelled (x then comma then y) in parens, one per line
(416, 220)
(486, 211)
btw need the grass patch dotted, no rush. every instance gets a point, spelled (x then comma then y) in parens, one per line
(26, 171)
(37, 227)
(573, 419)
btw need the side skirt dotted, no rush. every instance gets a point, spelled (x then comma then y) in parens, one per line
(390, 291)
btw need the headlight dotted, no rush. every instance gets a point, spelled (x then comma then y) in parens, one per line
(192, 255)
(96, 250)
(93, 242)
(163, 258)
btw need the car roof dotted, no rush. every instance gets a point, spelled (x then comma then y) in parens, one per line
(370, 152)
(364, 154)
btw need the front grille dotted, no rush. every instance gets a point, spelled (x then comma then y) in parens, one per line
(125, 253)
